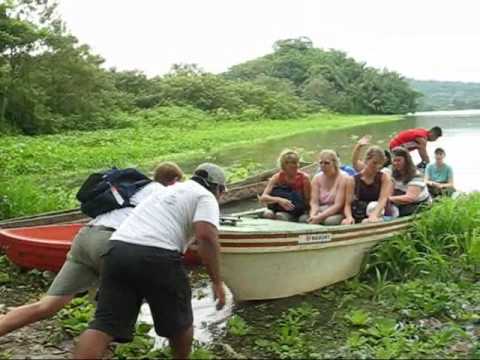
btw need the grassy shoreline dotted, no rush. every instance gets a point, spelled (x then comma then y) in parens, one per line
(417, 297)
(42, 173)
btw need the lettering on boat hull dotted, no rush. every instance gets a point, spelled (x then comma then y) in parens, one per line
(314, 238)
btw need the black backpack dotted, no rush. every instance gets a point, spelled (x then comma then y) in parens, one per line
(110, 190)
(286, 192)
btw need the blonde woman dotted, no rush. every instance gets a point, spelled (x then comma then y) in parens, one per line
(288, 192)
(367, 192)
(328, 191)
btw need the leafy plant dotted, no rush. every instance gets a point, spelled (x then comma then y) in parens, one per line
(74, 318)
(139, 347)
(358, 317)
(356, 340)
(237, 326)
(4, 278)
(382, 328)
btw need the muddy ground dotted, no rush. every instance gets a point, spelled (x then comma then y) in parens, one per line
(43, 340)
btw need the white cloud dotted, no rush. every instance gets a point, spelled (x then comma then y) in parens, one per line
(423, 39)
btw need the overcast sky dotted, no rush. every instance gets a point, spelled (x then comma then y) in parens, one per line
(423, 39)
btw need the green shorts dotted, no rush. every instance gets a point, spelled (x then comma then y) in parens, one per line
(81, 270)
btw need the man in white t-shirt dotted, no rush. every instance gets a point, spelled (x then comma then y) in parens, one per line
(144, 263)
(81, 269)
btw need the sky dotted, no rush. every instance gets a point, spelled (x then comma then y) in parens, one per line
(421, 39)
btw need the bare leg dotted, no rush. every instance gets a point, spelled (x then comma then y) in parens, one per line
(92, 345)
(181, 343)
(28, 314)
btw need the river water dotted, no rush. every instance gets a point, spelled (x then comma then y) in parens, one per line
(461, 134)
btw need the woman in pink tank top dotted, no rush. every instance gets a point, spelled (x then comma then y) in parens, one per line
(328, 191)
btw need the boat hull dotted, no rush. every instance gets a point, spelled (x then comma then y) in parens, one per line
(259, 265)
(46, 247)
(42, 247)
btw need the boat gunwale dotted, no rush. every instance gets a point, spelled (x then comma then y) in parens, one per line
(344, 236)
(295, 247)
(10, 235)
(319, 229)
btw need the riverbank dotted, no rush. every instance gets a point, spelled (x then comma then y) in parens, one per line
(42, 173)
(416, 297)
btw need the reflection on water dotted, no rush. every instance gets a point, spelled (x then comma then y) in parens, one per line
(205, 315)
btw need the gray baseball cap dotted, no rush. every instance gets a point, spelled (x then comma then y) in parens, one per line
(213, 173)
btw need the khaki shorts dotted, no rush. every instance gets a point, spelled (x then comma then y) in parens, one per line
(81, 270)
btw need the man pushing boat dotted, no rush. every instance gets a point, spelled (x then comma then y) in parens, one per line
(143, 262)
(81, 269)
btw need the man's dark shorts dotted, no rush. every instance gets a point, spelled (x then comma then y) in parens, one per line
(133, 273)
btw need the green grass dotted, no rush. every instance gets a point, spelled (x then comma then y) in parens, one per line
(42, 173)
(443, 243)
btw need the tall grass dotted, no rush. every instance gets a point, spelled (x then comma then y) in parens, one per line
(442, 243)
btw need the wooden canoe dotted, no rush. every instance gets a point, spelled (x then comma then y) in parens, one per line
(270, 259)
(237, 191)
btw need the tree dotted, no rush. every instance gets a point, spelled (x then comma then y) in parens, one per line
(18, 39)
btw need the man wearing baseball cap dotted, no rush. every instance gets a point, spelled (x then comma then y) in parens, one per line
(143, 262)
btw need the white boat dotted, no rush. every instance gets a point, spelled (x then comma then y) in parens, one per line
(270, 259)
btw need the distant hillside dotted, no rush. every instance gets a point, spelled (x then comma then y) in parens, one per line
(447, 95)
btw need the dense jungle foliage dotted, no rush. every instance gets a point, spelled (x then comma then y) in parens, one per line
(447, 95)
(50, 83)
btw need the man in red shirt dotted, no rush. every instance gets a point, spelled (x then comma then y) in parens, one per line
(416, 139)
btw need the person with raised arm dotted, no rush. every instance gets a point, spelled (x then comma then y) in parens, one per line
(367, 192)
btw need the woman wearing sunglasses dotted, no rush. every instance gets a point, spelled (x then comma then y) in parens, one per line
(328, 191)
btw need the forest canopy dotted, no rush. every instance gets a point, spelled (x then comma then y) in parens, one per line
(447, 95)
(50, 83)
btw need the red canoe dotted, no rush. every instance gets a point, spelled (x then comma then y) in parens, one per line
(46, 247)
